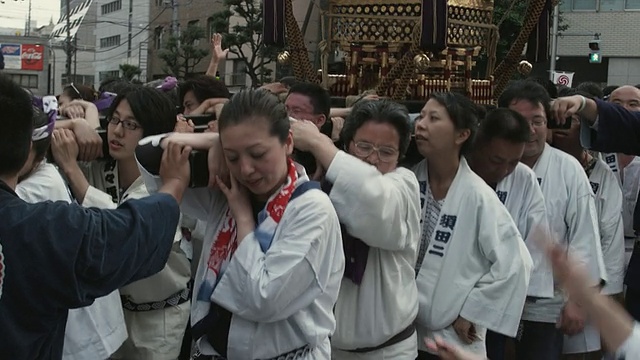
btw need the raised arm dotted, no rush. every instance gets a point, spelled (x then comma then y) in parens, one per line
(381, 210)
(617, 129)
(197, 202)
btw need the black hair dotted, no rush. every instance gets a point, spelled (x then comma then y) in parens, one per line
(547, 84)
(576, 91)
(289, 81)
(151, 108)
(204, 87)
(607, 90)
(526, 90)
(318, 96)
(172, 94)
(503, 124)
(463, 113)
(16, 126)
(113, 85)
(79, 92)
(253, 104)
(591, 88)
(382, 111)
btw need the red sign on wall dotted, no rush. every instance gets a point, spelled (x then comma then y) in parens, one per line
(32, 57)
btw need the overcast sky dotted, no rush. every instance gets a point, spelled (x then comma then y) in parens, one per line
(13, 14)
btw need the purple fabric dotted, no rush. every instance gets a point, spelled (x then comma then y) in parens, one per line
(104, 101)
(356, 252)
(36, 101)
(168, 84)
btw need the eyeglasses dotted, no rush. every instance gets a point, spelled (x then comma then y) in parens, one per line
(385, 154)
(127, 124)
(537, 122)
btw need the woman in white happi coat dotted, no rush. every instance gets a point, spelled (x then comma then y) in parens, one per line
(95, 331)
(473, 267)
(378, 206)
(272, 260)
(156, 309)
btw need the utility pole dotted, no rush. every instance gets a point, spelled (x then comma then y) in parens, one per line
(174, 18)
(68, 42)
(554, 41)
(28, 32)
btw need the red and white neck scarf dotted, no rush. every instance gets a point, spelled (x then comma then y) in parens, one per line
(226, 242)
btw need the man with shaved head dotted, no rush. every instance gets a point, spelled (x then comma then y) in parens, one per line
(626, 96)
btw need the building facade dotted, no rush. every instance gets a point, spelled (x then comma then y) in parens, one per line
(187, 12)
(616, 22)
(83, 59)
(122, 36)
(26, 61)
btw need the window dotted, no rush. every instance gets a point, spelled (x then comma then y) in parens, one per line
(581, 5)
(111, 7)
(584, 5)
(111, 74)
(158, 34)
(632, 4)
(26, 81)
(78, 79)
(194, 23)
(239, 76)
(159, 2)
(110, 41)
(210, 29)
(612, 5)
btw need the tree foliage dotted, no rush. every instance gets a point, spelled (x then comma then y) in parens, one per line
(509, 15)
(244, 38)
(130, 72)
(182, 53)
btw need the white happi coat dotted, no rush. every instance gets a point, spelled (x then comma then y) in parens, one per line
(95, 331)
(630, 189)
(521, 194)
(384, 212)
(611, 159)
(573, 222)
(608, 198)
(476, 266)
(154, 334)
(283, 299)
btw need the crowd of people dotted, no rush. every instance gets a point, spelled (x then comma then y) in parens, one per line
(461, 232)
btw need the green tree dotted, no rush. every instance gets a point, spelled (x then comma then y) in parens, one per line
(182, 53)
(244, 39)
(509, 15)
(129, 72)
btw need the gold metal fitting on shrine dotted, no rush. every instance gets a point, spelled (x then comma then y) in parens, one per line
(284, 58)
(421, 62)
(525, 67)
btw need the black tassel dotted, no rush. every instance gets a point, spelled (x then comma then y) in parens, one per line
(273, 22)
(434, 25)
(538, 45)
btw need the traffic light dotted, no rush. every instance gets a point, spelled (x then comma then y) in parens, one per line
(594, 55)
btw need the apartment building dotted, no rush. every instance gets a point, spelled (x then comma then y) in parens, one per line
(188, 12)
(122, 36)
